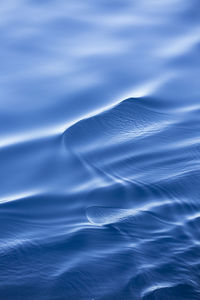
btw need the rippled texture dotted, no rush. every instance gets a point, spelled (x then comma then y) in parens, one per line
(100, 150)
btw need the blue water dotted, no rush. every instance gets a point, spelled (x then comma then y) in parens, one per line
(100, 150)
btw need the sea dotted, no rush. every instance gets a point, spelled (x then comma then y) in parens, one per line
(100, 150)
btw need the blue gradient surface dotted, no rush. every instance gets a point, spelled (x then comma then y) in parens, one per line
(100, 150)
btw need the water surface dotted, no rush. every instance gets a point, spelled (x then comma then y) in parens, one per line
(100, 150)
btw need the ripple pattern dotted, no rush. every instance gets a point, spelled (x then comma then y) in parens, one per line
(100, 150)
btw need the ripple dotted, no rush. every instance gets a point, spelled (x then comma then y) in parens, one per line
(108, 215)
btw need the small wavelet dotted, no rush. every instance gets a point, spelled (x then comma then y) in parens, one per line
(108, 215)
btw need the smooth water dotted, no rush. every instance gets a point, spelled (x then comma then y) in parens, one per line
(100, 150)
